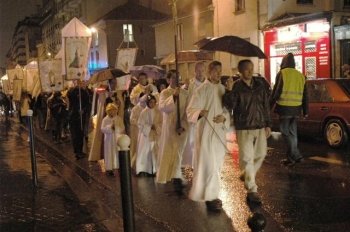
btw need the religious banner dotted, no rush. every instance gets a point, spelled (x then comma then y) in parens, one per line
(126, 58)
(14, 74)
(30, 77)
(76, 57)
(17, 89)
(5, 86)
(51, 78)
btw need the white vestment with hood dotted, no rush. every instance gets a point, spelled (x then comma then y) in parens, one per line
(210, 145)
(171, 144)
(147, 145)
(110, 147)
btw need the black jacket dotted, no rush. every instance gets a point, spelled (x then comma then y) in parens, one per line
(249, 104)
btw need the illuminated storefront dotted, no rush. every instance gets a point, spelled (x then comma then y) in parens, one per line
(308, 41)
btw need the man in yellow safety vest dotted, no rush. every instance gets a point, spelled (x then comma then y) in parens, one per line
(289, 97)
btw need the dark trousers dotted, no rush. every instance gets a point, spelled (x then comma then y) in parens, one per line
(288, 128)
(77, 135)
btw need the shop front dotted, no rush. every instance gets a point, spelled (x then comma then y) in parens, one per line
(309, 41)
(342, 37)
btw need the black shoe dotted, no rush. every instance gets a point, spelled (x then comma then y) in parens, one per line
(287, 163)
(143, 174)
(109, 173)
(178, 185)
(253, 197)
(80, 155)
(214, 205)
(300, 160)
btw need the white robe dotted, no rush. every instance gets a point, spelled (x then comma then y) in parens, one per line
(210, 147)
(171, 145)
(187, 159)
(146, 160)
(110, 140)
(95, 153)
(134, 131)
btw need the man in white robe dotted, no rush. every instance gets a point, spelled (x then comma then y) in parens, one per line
(142, 87)
(212, 120)
(193, 85)
(134, 130)
(149, 123)
(172, 142)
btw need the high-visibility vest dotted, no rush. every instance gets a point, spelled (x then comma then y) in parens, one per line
(293, 87)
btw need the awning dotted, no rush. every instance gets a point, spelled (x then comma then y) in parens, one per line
(295, 19)
(187, 56)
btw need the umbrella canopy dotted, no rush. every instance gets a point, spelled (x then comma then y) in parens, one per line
(106, 74)
(231, 44)
(153, 71)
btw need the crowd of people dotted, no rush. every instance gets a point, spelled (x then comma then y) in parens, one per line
(172, 125)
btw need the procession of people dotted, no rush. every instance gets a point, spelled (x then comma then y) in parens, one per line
(171, 124)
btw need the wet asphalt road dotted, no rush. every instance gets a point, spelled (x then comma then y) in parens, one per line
(312, 196)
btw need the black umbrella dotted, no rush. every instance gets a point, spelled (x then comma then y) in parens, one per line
(231, 44)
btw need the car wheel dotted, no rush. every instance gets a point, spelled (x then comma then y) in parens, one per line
(335, 133)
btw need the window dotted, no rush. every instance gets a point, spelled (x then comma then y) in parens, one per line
(317, 92)
(97, 58)
(346, 3)
(128, 33)
(240, 6)
(305, 1)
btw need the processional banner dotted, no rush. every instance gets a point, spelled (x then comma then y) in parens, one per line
(126, 58)
(76, 57)
(31, 76)
(14, 74)
(51, 78)
(17, 89)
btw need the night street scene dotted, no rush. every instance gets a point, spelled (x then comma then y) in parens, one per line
(175, 115)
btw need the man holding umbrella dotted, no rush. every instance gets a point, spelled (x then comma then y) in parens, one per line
(78, 108)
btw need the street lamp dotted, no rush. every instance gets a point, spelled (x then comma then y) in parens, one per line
(93, 30)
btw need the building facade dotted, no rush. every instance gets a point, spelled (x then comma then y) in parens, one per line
(314, 31)
(126, 26)
(23, 46)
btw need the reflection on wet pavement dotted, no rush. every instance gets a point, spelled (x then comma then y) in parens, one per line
(50, 207)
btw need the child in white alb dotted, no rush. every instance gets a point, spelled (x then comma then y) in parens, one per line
(112, 126)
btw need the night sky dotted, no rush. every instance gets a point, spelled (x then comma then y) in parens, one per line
(12, 11)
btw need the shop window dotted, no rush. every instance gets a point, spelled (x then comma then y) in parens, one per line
(128, 33)
(305, 1)
(239, 5)
(310, 46)
(345, 58)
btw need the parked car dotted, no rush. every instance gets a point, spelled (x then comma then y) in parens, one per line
(329, 112)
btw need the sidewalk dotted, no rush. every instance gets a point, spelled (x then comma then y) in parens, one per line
(52, 206)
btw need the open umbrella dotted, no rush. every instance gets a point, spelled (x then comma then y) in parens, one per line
(106, 74)
(153, 71)
(231, 44)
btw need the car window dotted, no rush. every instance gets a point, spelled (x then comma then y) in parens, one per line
(345, 85)
(318, 92)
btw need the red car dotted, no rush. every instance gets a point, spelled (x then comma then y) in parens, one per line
(329, 111)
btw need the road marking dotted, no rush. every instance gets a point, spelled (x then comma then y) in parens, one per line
(327, 160)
